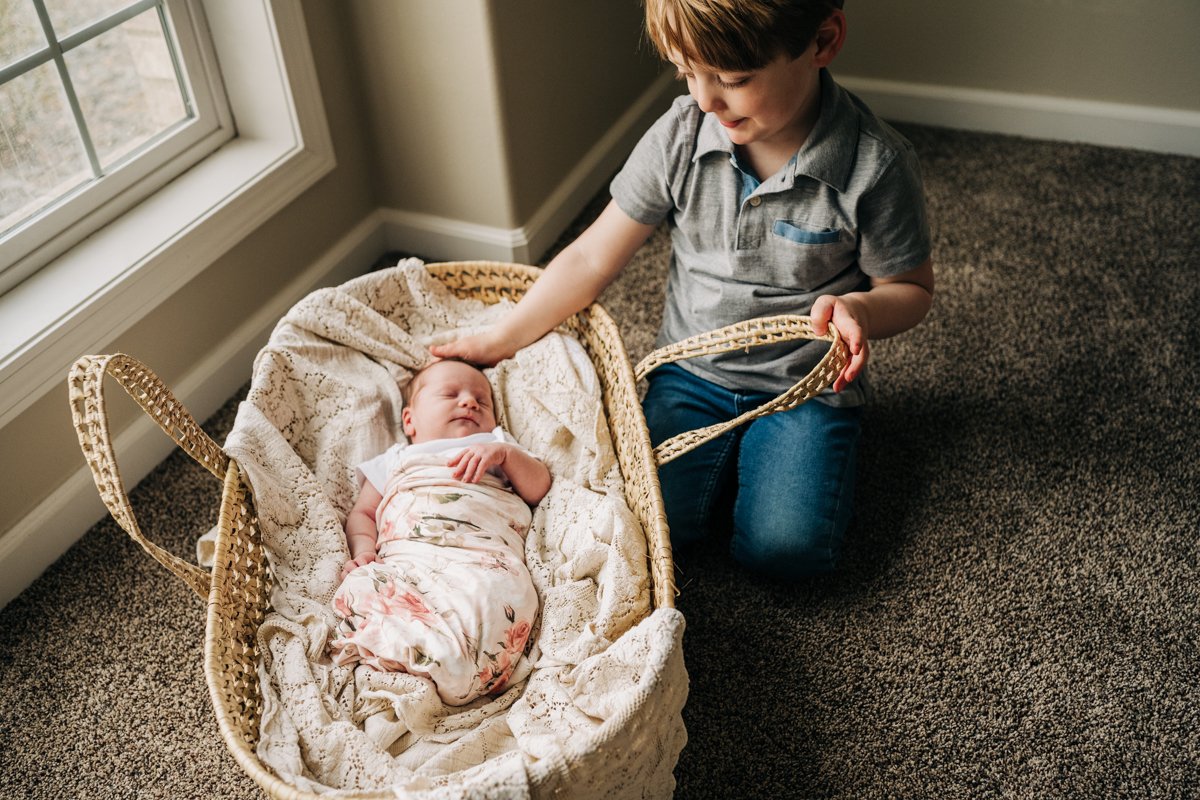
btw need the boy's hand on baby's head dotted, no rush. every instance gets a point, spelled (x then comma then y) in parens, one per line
(473, 462)
(850, 319)
(484, 349)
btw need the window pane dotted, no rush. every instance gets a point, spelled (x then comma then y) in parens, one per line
(127, 86)
(20, 30)
(41, 156)
(69, 15)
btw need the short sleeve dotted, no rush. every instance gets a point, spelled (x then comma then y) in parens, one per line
(375, 471)
(642, 189)
(893, 226)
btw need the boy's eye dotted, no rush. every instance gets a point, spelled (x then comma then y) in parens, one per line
(724, 83)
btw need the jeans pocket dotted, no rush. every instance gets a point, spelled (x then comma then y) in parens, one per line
(804, 235)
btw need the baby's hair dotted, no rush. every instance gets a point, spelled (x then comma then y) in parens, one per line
(734, 35)
(410, 388)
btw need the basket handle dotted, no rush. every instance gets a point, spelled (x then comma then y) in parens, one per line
(743, 336)
(86, 388)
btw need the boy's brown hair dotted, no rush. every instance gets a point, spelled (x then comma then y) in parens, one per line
(734, 35)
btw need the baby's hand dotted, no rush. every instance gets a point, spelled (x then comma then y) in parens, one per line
(472, 462)
(361, 561)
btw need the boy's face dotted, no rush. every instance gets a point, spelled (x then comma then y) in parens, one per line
(773, 107)
(451, 400)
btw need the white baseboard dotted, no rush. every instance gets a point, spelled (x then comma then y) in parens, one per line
(48, 531)
(1162, 130)
(447, 239)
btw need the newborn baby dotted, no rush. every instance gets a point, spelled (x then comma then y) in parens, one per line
(436, 584)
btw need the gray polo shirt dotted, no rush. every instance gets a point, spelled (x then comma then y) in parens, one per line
(848, 205)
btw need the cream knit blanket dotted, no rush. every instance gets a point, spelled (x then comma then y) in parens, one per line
(598, 711)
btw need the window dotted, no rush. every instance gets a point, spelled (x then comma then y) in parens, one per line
(106, 282)
(101, 103)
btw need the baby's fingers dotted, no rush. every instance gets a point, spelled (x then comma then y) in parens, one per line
(466, 466)
(355, 563)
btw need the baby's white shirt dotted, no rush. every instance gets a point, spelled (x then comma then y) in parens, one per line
(376, 470)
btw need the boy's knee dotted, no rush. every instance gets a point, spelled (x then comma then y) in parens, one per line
(788, 550)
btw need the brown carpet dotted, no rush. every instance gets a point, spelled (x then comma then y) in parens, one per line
(1017, 611)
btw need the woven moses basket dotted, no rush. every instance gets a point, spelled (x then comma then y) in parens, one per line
(238, 588)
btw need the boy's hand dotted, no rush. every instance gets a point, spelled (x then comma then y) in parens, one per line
(484, 349)
(472, 462)
(361, 561)
(851, 319)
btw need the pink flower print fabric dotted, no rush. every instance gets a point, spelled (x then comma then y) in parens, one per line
(451, 598)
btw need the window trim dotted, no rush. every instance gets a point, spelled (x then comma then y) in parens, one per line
(90, 205)
(103, 286)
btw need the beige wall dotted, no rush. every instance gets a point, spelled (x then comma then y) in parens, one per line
(1137, 52)
(39, 447)
(566, 72)
(478, 108)
(431, 107)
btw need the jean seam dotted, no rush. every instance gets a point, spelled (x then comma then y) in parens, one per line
(705, 502)
(736, 540)
(706, 497)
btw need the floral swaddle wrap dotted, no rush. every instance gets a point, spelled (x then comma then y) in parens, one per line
(450, 597)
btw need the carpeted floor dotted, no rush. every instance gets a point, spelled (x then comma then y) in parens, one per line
(1017, 611)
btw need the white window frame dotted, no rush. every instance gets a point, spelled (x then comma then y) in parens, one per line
(98, 289)
(69, 219)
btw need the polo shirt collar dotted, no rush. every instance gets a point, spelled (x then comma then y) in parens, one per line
(712, 138)
(827, 153)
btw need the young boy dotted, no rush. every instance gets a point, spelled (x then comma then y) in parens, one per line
(783, 194)
(436, 584)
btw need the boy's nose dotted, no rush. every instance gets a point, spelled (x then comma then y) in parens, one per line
(707, 97)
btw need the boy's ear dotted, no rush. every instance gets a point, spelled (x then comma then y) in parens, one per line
(831, 35)
(406, 420)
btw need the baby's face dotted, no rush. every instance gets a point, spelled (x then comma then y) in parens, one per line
(452, 400)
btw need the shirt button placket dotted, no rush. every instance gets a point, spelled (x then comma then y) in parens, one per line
(750, 224)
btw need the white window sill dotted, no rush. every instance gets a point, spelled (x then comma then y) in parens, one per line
(103, 286)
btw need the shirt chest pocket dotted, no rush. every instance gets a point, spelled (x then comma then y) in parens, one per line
(805, 256)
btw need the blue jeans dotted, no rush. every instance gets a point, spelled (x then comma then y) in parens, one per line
(791, 475)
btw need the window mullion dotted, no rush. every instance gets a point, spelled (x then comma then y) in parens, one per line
(26, 64)
(56, 52)
(173, 48)
(106, 24)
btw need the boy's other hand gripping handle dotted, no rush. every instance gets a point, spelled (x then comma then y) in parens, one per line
(743, 336)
